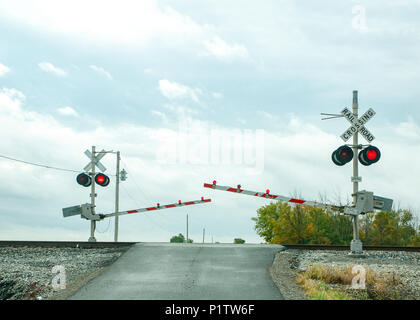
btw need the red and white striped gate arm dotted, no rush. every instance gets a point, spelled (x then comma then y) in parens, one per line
(268, 195)
(159, 207)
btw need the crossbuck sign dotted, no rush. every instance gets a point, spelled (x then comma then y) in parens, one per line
(96, 160)
(358, 125)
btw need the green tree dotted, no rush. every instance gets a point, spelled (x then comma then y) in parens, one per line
(180, 239)
(282, 224)
(238, 241)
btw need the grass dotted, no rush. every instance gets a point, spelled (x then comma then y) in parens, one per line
(335, 283)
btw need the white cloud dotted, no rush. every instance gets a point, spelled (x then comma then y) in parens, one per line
(3, 70)
(101, 71)
(159, 114)
(224, 51)
(128, 21)
(217, 95)
(175, 91)
(265, 114)
(68, 111)
(49, 67)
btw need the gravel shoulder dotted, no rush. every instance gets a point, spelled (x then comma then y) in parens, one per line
(403, 265)
(284, 277)
(27, 273)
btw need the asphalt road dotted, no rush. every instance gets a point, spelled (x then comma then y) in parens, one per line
(187, 271)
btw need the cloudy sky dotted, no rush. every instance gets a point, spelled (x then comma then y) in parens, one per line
(192, 91)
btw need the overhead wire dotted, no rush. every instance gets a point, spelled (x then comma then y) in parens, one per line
(39, 165)
(43, 165)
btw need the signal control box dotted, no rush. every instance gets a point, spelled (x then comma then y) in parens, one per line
(364, 202)
(87, 212)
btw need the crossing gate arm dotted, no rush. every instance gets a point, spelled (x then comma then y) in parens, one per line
(270, 196)
(158, 207)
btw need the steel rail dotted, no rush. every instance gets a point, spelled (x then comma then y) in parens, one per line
(344, 247)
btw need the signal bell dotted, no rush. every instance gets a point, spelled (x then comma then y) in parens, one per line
(342, 155)
(369, 155)
(102, 179)
(84, 180)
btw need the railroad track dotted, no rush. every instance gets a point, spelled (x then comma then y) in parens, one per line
(65, 244)
(92, 245)
(342, 247)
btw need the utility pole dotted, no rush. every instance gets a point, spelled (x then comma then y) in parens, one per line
(117, 194)
(204, 232)
(187, 229)
(92, 197)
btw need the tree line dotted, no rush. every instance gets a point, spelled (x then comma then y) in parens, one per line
(279, 223)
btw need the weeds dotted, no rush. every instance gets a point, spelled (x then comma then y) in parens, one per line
(335, 283)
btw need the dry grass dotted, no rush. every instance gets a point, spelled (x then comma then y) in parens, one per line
(334, 283)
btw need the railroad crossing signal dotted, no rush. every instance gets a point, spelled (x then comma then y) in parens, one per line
(85, 180)
(357, 125)
(345, 154)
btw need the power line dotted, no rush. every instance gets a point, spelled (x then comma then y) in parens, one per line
(134, 180)
(39, 165)
(43, 165)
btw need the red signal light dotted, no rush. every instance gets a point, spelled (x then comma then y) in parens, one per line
(369, 155)
(179, 201)
(202, 198)
(267, 191)
(102, 179)
(214, 182)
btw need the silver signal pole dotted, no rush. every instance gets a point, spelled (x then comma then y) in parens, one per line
(92, 197)
(117, 193)
(356, 246)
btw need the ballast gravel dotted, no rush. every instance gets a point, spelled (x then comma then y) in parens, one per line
(403, 265)
(27, 273)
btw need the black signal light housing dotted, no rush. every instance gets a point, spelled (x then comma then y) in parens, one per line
(342, 155)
